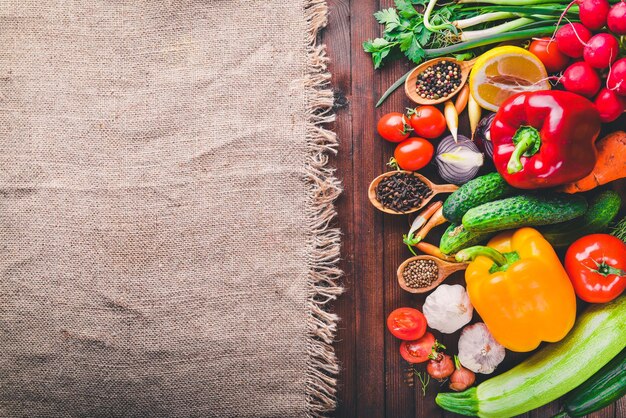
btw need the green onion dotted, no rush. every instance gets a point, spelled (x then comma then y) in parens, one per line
(487, 17)
(504, 27)
(497, 38)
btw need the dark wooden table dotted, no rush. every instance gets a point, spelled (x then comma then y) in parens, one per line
(372, 381)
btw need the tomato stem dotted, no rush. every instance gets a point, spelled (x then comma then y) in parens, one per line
(607, 270)
(393, 163)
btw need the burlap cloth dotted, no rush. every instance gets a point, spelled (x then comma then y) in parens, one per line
(164, 201)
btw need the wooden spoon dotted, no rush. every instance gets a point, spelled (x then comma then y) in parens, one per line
(436, 188)
(444, 270)
(410, 83)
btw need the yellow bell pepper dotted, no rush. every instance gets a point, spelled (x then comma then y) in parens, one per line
(520, 289)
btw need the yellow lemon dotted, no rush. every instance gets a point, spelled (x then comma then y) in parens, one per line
(504, 71)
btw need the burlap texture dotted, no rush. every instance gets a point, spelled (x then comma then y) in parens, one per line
(164, 200)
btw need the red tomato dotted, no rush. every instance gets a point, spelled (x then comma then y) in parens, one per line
(418, 351)
(406, 323)
(596, 266)
(549, 54)
(413, 153)
(394, 127)
(427, 121)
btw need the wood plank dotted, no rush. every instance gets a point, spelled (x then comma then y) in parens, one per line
(368, 271)
(400, 397)
(620, 408)
(337, 39)
(608, 412)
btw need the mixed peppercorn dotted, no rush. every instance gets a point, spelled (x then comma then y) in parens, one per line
(439, 80)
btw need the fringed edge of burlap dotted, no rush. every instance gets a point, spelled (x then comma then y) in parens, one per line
(324, 188)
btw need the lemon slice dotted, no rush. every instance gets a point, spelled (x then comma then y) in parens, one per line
(504, 71)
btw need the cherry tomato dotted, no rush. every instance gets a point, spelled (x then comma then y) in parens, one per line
(394, 127)
(413, 153)
(418, 351)
(596, 266)
(406, 323)
(549, 54)
(427, 121)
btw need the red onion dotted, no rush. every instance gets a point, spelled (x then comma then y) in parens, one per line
(482, 136)
(462, 378)
(440, 366)
(458, 162)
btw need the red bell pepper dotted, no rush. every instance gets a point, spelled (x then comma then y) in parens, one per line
(595, 265)
(545, 138)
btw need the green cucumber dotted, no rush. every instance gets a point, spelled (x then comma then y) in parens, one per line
(602, 389)
(524, 210)
(597, 337)
(474, 193)
(456, 237)
(602, 209)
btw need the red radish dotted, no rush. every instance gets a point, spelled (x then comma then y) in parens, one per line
(617, 77)
(601, 50)
(582, 79)
(593, 13)
(571, 39)
(616, 19)
(609, 105)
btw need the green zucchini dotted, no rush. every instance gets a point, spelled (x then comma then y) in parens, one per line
(524, 210)
(602, 209)
(474, 193)
(598, 336)
(456, 237)
(602, 389)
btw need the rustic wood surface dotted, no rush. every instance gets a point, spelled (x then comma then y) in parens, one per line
(372, 380)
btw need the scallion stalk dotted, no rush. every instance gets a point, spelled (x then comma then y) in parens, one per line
(544, 9)
(507, 2)
(430, 26)
(503, 27)
(488, 40)
(487, 17)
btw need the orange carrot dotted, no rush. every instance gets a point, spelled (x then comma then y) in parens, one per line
(610, 165)
(435, 220)
(433, 250)
(461, 99)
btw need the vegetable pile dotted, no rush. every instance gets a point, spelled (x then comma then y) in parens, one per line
(535, 221)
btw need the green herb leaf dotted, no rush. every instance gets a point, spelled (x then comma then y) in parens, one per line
(379, 48)
(415, 52)
(406, 39)
(406, 8)
(424, 36)
(389, 18)
(619, 230)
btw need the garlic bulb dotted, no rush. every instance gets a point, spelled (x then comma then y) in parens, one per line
(478, 350)
(448, 308)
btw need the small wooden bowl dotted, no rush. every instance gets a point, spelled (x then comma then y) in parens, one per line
(410, 83)
(444, 270)
(436, 188)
